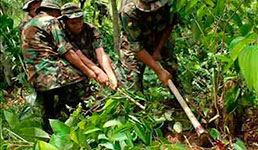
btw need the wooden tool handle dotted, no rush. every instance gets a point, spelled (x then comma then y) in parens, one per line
(198, 127)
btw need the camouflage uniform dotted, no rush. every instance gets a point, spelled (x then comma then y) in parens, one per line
(143, 30)
(88, 41)
(43, 46)
(50, 73)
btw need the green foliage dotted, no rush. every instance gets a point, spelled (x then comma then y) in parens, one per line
(11, 49)
(114, 127)
(215, 134)
(239, 145)
(21, 132)
(248, 64)
(213, 40)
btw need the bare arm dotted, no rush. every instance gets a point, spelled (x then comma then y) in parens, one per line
(163, 74)
(101, 76)
(74, 59)
(105, 63)
(165, 36)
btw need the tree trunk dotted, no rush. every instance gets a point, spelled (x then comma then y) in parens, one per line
(116, 26)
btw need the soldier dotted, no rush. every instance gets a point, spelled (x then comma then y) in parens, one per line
(147, 25)
(54, 68)
(30, 6)
(86, 39)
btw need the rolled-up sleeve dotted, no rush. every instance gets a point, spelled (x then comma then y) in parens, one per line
(97, 41)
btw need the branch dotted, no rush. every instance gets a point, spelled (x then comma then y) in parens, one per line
(131, 99)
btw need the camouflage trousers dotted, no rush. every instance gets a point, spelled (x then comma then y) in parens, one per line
(134, 68)
(53, 102)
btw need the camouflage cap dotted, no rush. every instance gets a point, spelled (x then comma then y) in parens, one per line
(71, 11)
(150, 5)
(52, 4)
(27, 4)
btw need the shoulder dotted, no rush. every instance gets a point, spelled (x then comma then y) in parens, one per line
(24, 22)
(129, 10)
(41, 20)
(89, 26)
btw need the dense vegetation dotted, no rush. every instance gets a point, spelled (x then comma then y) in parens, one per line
(216, 43)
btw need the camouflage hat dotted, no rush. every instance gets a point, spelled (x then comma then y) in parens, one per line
(71, 11)
(150, 5)
(52, 4)
(27, 4)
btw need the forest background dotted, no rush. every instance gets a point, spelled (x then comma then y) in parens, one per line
(216, 45)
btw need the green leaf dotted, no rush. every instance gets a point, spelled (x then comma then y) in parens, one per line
(140, 132)
(123, 128)
(196, 31)
(107, 145)
(159, 133)
(46, 146)
(102, 137)
(245, 29)
(129, 139)
(238, 20)
(215, 134)
(239, 44)
(120, 137)
(122, 145)
(82, 124)
(73, 136)
(191, 4)
(201, 12)
(180, 4)
(91, 130)
(220, 7)
(209, 2)
(73, 119)
(147, 125)
(134, 119)
(239, 145)
(109, 102)
(59, 140)
(235, 42)
(112, 123)
(59, 127)
(34, 132)
(224, 57)
(149, 138)
(11, 118)
(248, 60)
(181, 146)
(231, 97)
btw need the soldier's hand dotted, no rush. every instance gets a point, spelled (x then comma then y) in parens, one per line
(113, 84)
(164, 76)
(91, 74)
(156, 56)
(102, 78)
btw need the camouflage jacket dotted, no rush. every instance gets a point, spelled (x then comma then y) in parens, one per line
(142, 29)
(88, 41)
(43, 49)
